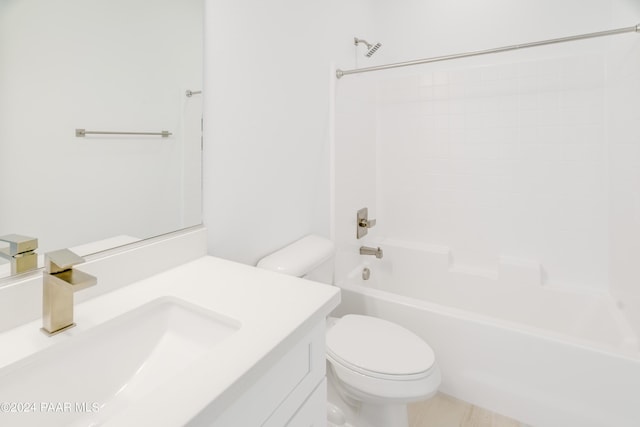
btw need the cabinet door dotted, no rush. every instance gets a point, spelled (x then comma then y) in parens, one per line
(277, 389)
(314, 411)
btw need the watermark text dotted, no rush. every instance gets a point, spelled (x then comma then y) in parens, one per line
(49, 407)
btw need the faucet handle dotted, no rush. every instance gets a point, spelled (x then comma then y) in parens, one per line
(363, 222)
(367, 223)
(61, 260)
(19, 244)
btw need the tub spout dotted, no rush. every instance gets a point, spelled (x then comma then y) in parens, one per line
(365, 250)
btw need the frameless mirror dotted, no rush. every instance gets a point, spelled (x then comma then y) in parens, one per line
(102, 66)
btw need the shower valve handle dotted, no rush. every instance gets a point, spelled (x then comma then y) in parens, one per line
(364, 223)
(367, 223)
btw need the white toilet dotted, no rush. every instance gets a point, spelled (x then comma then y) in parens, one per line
(375, 367)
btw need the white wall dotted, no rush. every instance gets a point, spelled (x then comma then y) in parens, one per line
(268, 117)
(420, 28)
(97, 65)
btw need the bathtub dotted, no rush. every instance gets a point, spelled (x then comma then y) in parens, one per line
(546, 357)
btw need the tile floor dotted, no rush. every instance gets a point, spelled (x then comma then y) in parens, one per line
(446, 411)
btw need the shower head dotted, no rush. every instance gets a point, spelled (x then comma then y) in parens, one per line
(371, 49)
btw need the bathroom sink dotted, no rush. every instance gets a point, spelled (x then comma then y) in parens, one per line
(89, 377)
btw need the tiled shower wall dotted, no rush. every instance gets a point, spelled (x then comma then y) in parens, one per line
(535, 162)
(504, 161)
(624, 184)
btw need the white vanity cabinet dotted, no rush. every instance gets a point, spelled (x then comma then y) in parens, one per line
(263, 363)
(291, 391)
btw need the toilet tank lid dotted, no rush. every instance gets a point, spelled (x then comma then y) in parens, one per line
(300, 257)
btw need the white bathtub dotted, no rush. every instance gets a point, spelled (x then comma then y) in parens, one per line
(547, 357)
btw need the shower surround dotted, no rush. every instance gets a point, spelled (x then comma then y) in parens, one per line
(505, 205)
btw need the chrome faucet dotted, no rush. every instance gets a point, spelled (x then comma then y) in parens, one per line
(20, 253)
(365, 250)
(60, 281)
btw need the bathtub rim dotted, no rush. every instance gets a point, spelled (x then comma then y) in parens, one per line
(466, 315)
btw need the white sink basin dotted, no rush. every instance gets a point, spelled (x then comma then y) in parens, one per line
(91, 376)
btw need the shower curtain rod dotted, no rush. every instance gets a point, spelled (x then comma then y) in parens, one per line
(634, 29)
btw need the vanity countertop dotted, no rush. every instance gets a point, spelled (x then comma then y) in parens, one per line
(273, 310)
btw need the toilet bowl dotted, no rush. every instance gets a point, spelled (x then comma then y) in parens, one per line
(374, 367)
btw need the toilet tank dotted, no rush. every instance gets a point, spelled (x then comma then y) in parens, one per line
(310, 257)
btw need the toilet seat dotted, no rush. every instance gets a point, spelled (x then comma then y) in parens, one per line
(380, 360)
(378, 348)
(377, 375)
